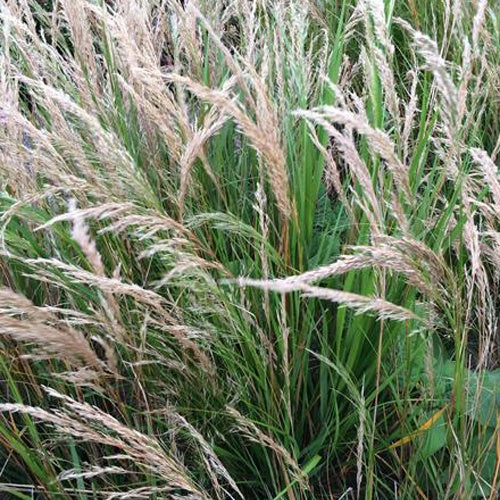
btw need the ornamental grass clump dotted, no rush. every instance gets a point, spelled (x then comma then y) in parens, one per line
(249, 249)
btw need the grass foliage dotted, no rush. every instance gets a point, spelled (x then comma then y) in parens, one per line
(249, 249)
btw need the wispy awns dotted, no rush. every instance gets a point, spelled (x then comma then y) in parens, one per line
(28, 324)
(379, 141)
(411, 110)
(381, 50)
(140, 225)
(481, 240)
(88, 423)
(214, 466)
(210, 143)
(491, 176)
(115, 287)
(251, 432)
(195, 149)
(392, 256)
(428, 50)
(361, 304)
(80, 233)
(361, 440)
(262, 133)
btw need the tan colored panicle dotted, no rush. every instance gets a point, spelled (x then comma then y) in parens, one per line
(360, 443)
(490, 173)
(411, 109)
(380, 46)
(215, 468)
(195, 149)
(376, 8)
(88, 423)
(52, 340)
(74, 11)
(378, 256)
(80, 233)
(262, 134)
(434, 62)
(478, 24)
(346, 146)
(98, 212)
(360, 303)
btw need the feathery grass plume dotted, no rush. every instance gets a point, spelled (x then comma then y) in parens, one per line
(478, 24)
(384, 256)
(215, 468)
(286, 393)
(59, 151)
(308, 51)
(88, 423)
(387, 78)
(478, 277)
(80, 233)
(434, 62)
(332, 176)
(186, 262)
(20, 27)
(99, 212)
(379, 141)
(271, 148)
(146, 226)
(490, 173)
(147, 492)
(171, 123)
(154, 119)
(361, 304)
(345, 144)
(213, 123)
(232, 62)
(117, 287)
(112, 153)
(424, 256)
(260, 207)
(81, 33)
(466, 71)
(103, 283)
(381, 50)
(14, 304)
(44, 157)
(91, 471)
(355, 18)
(186, 33)
(399, 215)
(262, 134)
(376, 9)
(411, 110)
(39, 328)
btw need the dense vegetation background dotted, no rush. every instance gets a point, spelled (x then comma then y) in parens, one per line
(249, 249)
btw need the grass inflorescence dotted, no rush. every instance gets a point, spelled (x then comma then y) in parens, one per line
(249, 249)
